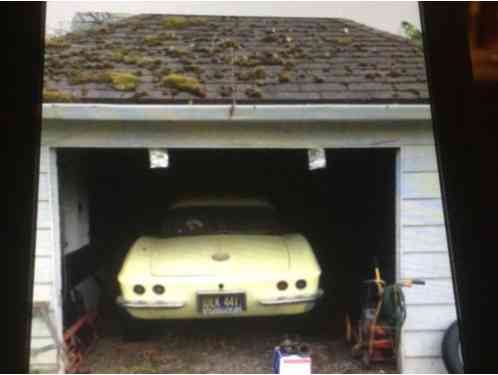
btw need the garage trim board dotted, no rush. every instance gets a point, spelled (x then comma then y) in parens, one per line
(265, 113)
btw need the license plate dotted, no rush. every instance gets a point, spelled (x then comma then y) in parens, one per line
(222, 304)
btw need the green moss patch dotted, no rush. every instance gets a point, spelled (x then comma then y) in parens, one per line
(56, 96)
(183, 83)
(118, 55)
(246, 61)
(283, 76)
(152, 40)
(228, 43)
(181, 22)
(177, 51)
(167, 35)
(253, 74)
(77, 77)
(123, 81)
(344, 40)
(57, 43)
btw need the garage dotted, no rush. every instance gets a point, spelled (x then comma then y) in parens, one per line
(378, 196)
(123, 198)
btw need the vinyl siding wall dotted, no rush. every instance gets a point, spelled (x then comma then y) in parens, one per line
(44, 290)
(424, 253)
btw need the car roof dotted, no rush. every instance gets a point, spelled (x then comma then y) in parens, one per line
(225, 201)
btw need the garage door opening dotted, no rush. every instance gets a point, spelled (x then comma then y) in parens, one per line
(110, 197)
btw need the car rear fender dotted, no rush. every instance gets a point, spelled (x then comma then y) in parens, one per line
(302, 260)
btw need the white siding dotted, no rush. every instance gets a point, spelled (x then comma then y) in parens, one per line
(422, 343)
(44, 156)
(422, 365)
(419, 158)
(429, 317)
(44, 360)
(43, 187)
(44, 245)
(424, 254)
(421, 185)
(424, 239)
(44, 217)
(43, 290)
(421, 212)
(425, 265)
(44, 270)
(434, 292)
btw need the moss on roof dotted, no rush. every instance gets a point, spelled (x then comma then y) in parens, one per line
(181, 22)
(57, 43)
(123, 81)
(183, 83)
(56, 96)
(173, 58)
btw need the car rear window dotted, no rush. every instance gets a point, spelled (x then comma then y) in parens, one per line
(221, 220)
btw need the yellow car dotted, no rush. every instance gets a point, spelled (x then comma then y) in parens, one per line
(218, 258)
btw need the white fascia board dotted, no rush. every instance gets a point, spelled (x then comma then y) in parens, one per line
(205, 113)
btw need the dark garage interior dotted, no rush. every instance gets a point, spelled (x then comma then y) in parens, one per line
(346, 211)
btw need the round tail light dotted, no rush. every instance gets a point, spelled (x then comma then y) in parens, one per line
(139, 289)
(282, 285)
(301, 284)
(158, 289)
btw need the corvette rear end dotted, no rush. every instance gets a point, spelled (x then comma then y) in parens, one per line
(219, 275)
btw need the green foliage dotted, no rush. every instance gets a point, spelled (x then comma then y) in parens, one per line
(283, 76)
(123, 81)
(183, 83)
(254, 74)
(152, 40)
(56, 96)
(56, 43)
(180, 22)
(344, 40)
(411, 32)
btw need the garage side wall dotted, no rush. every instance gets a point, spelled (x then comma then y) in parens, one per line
(43, 345)
(424, 253)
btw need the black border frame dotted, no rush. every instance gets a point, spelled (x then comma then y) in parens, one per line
(464, 116)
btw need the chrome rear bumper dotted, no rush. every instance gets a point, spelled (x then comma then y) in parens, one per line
(292, 300)
(150, 305)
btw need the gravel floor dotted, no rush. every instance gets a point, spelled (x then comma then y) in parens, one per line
(218, 346)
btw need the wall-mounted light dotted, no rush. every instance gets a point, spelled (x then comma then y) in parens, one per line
(316, 158)
(158, 158)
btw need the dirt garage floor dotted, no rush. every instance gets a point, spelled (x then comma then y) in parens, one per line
(220, 346)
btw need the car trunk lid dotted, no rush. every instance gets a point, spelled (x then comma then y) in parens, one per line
(218, 254)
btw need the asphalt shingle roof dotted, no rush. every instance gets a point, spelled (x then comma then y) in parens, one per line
(183, 59)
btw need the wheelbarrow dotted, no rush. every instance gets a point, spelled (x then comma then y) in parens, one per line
(376, 335)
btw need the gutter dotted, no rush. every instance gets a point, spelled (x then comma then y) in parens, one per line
(229, 113)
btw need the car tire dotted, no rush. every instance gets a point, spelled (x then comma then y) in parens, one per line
(451, 350)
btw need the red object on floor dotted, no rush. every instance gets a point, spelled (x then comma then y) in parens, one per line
(78, 339)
